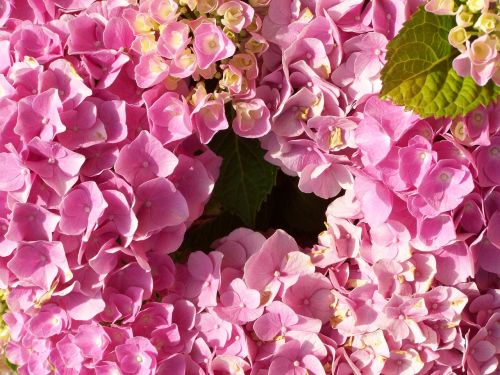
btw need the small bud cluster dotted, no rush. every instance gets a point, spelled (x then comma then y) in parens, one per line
(476, 36)
(216, 44)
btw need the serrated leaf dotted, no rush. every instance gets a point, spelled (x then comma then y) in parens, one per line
(246, 179)
(419, 73)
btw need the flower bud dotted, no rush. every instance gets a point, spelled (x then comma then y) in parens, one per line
(184, 64)
(255, 25)
(231, 35)
(256, 44)
(464, 18)
(259, 3)
(247, 63)
(198, 94)
(459, 129)
(487, 22)
(232, 18)
(144, 44)
(173, 39)
(477, 5)
(483, 50)
(207, 6)
(236, 15)
(252, 119)
(163, 11)
(191, 4)
(143, 24)
(231, 79)
(457, 37)
(441, 7)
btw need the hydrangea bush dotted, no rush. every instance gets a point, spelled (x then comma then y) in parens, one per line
(249, 187)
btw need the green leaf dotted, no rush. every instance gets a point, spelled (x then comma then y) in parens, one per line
(246, 178)
(10, 365)
(419, 73)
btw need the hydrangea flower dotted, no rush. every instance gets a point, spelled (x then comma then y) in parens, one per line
(108, 110)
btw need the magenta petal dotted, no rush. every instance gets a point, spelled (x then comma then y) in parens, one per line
(493, 232)
(144, 159)
(487, 254)
(454, 264)
(30, 223)
(39, 263)
(483, 350)
(81, 209)
(159, 205)
(375, 198)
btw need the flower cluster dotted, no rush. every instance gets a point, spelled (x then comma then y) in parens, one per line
(107, 109)
(476, 36)
(183, 61)
(217, 44)
(325, 58)
(96, 172)
(423, 214)
(267, 306)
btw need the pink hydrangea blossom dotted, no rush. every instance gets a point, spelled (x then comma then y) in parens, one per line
(480, 60)
(211, 44)
(107, 113)
(144, 159)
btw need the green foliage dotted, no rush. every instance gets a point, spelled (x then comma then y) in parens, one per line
(419, 73)
(299, 214)
(246, 179)
(11, 366)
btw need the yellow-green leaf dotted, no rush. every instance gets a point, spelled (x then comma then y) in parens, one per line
(419, 73)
